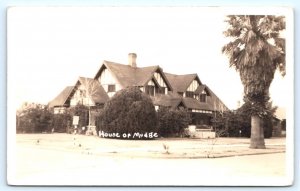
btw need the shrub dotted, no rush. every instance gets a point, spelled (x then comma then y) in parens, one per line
(61, 122)
(36, 119)
(171, 122)
(128, 111)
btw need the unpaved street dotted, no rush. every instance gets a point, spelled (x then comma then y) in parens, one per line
(51, 164)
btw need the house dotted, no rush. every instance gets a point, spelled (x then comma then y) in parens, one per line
(196, 97)
(86, 91)
(165, 89)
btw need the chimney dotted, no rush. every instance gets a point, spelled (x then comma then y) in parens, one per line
(132, 59)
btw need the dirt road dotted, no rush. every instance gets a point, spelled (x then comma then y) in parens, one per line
(59, 163)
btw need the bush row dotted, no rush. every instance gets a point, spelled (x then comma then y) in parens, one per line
(129, 111)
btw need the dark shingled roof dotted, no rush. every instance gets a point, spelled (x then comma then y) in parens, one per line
(98, 93)
(134, 76)
(169, 100)
(131, 76)
(215, 102)
(192, 103)
(61, 99)
(180, 83)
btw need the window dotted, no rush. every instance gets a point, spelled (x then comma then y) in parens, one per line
(149, 90)
(189, 94)
(181, 94)
(160, 90)
(202, 97)
(111, 88)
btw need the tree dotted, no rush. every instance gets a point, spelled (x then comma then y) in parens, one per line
(35, 118)
(89, 90)
(129, 111)
(61, 122)
(256, 51)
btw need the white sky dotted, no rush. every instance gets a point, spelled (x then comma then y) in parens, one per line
(49, 48)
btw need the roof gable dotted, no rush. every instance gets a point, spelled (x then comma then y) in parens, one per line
(144, 75)
(62, 98)
(131, 76)
(124, 74)
(94, 89)
(180, 83)
(202, 88)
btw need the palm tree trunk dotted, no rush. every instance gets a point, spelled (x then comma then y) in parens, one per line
(257, 133)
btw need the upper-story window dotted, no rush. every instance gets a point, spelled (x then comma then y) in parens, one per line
(203, 97)
(160, 90)
(111, 88)
(189, 94)
(149, 89)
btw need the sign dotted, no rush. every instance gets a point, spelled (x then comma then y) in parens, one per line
(75, 120)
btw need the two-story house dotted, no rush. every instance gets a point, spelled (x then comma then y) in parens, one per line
(165, 89)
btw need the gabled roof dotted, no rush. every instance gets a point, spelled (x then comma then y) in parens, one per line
(131, 76)
(200, 89)
(173, 100)
(94, 88)
(215, 102)
(98, 94)
(169, 100)
(192, 103)
(180, 83)
(124, 74)
(61, 99)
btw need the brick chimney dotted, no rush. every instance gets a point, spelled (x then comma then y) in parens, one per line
(132, 59)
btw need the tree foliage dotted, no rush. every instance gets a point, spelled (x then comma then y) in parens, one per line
(171, 122)
(62, 122)
(128, 111)
(238, 123)
(37, 118)
(256, 50)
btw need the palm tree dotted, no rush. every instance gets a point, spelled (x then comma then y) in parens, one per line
(256, 50)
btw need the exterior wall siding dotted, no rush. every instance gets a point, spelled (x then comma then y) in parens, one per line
(106, 79)
(81, 97)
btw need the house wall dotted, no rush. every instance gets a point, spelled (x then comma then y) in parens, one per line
(106, 79)
(59, 110)
(161, 81)
(81, 97)
(192, 88)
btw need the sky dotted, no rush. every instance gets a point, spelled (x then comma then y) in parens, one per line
(49, 48)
